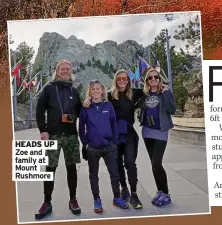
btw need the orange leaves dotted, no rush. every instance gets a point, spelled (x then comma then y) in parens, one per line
(96, 7)
(211, 21)
(217, 54)
(211, 16)
(211, 13)
(4, 81)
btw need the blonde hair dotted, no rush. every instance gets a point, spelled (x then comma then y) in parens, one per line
(55, 74)
(115, 89)
(104, 94)
(146, 87)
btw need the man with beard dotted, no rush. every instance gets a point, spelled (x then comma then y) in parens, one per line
(62, 103)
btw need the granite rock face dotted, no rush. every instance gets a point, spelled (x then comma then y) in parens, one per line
(54, 47)
(88, 62)
(102, 60)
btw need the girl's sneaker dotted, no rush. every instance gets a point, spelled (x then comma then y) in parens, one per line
(98, 206)
(158, 194)
(120, 203)
(125, 195)
(163, 200)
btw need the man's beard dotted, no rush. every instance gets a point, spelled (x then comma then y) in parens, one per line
(65, 80)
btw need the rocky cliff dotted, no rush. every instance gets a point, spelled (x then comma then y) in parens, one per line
(100, 62)
(89, 62)
(54, 47)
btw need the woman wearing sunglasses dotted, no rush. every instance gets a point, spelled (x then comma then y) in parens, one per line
(123, 98)
(156, 108)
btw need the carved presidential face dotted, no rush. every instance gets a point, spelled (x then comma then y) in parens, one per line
(99, 49)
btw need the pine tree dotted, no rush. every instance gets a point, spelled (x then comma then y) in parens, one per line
(106, 68)
(133, 68)
(89, 63)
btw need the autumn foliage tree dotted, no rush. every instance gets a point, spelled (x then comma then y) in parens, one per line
(211, 13)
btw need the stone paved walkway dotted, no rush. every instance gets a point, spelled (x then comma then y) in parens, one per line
(185, 165)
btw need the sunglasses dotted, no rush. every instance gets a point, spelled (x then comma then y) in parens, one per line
(151, 77)
(95, 82)
(122, 79)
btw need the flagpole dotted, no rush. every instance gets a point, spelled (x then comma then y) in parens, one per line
(30, 96)
(169, 62)
(137, 68)
(41, 80)
(15, 90)
(149, 54)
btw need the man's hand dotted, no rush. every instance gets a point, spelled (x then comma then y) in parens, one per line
(44, 136)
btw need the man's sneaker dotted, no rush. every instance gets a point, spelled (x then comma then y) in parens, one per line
(45, 209)
(163, 200)
(135, 202)
(74, 206)
(125, 195)
(158, 194)
(120, 203)
(98, 206)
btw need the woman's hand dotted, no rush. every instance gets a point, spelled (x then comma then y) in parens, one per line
(164, 87)
(87, 102)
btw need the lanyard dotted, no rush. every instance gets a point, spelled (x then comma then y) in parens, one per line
(59, 98)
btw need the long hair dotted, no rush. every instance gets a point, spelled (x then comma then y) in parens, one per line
(55, 74)
(104, 94)
(115, 89)
(146, 88)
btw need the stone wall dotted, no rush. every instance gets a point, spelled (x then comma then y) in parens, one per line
(188, 130)
(24, 124)
(188, 122)
(189, 136)
(195, 136)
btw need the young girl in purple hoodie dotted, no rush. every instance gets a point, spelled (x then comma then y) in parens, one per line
(98, 131)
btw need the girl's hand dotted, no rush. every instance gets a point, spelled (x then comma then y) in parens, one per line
(87, 102)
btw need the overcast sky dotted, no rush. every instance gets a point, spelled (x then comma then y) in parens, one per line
(141, 28)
